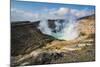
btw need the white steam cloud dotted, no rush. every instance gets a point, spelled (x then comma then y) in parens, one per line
(65, 30)
(43, 26)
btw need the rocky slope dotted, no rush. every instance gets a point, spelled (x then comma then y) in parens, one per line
(25, 37)
(30, 47)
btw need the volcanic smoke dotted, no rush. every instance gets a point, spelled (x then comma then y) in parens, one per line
(65, 30)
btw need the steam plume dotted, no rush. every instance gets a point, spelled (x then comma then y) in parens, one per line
(65, 30)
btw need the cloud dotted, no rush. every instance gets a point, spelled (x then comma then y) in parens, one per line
(81, 13)
(63, 11)
(21, 15)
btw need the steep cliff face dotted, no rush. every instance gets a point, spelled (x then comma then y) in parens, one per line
(29, 46)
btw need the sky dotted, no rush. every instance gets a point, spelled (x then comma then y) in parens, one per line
(32, 11)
